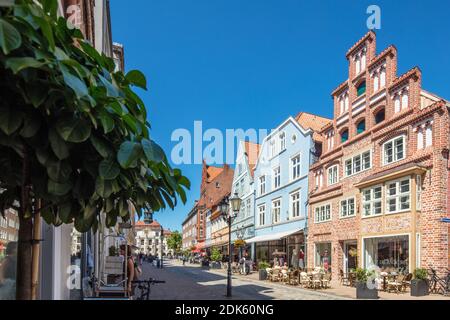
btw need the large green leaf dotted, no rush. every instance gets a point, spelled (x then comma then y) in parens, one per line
(18, 64)
(59, 146)
(59, 188)
(137, 78)
(107, 121)
(101, 146)
(65, 212)
(10, 120)
(108, 169)
(103, 187)
(77, 85)
(73, 130)
(59, 170)
(10, 38)
(128, 154)
(152, 151)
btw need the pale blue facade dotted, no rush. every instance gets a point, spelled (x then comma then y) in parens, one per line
(281, 191)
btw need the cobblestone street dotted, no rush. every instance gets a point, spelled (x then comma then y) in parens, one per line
(191, 282)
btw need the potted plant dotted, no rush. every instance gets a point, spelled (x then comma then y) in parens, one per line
(365, 289)
(262, 266)
(419, 285)
(216, 258)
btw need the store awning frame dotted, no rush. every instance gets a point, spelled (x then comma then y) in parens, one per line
(272, 236)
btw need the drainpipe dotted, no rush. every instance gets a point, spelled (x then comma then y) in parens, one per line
(305, 233)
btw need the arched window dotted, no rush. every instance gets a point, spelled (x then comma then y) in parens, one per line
(379, 116)
(344, 136)
(361, 127)
(361, 89)
(405, 100)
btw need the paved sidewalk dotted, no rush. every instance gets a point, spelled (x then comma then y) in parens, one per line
(337, 289)
(191, 282)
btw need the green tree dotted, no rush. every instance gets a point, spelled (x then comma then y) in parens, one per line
(174, 241)
(216, 255)
(74, 136)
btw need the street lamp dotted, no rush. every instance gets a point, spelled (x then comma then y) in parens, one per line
(161, 247)
(224, 206)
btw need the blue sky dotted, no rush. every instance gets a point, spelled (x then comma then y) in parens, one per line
(251, 64)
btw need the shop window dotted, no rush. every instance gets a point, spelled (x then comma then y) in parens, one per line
(361, 127)
(322, 257)
(361, 89)
(344, 136)
(387, 253)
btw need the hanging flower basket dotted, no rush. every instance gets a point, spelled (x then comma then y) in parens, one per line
(239, 243)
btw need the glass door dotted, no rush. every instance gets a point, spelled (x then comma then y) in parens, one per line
(350, 256)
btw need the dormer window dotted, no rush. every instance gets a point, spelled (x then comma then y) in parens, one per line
(361, 89)
(344, 136)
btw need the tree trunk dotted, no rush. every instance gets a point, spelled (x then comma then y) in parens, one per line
(23, 289)
(24, 247)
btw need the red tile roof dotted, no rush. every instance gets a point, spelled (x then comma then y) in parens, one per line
(313, 122)
(252, 151)
(142, 224)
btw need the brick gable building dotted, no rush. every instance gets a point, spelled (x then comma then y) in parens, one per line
(216, 184)
(381, 186)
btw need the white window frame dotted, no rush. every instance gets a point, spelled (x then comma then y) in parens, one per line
(276, 214)
(398, 195)
(295, 170)
(276, 173)
(361, 163)
(282, 138)
(262, 213)
(394, 154)
(320, 213)
(262, 185)
(291, 204)
(347, 205)
(371, 202)
(335, 175)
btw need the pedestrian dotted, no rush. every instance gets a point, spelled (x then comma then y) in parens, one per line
(133, 271)
(301, 259)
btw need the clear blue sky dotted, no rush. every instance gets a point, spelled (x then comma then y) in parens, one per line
(251, 64)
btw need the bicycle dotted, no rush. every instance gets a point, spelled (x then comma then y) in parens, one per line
(439, 285)
(144, 287)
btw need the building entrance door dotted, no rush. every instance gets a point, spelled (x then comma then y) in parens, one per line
(350, 256)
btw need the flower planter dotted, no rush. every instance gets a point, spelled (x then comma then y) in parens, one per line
(363, 292)
(419, 288)
(262, 274)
